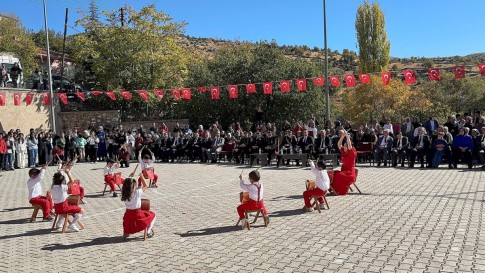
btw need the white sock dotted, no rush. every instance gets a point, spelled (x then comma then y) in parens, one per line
(151, 225)
(60, 221)
(76, 217)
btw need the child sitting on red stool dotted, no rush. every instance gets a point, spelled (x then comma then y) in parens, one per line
(322, 184)
(59, 197)
(255, 202)
(70, 164)
(109, 175)
(146, 163)
(35, 191)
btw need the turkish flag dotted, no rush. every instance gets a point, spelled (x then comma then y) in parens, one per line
(268, 88)
(364, 78)
(215, 92)
(233, 91)
(17, 97)
(159, 93)
(95, 93)
(301, 84)
(459, 72)
(62, 97)
(434, 74)
(125, 94)
(386, 77)
(202, 89)
(285, 86)
(481, 67)
(334, 80)
(46, 98)
(250, 88)
(143, 94)
(186, 95)
(81, 96)
(110, 95)
(3, 96)
(349, 80)
(319, 81)
(29, 98)
(175, 94)
(409, 76)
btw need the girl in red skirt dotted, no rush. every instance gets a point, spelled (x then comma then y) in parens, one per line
(135, 219)
(346, 176)
(59, 197)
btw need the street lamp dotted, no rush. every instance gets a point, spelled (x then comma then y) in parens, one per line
(327, 87)
(53, 117)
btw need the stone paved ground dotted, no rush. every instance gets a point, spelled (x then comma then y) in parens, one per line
(406, 221)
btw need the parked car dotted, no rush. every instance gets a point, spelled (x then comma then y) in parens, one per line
(33, 82)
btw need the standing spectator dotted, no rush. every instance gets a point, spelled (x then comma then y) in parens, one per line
(258, 117)
(42, 149)
(431, 124)
(80, 147)
(93, 142)
(102, 151)
(21, 146)
(32, 148)
(4, 76)
(15, 73)
(3, 151)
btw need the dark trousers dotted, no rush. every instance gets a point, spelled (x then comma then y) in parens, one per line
(459, 154)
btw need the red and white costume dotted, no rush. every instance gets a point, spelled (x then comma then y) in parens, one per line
(71, 164)
(136, 219)
(146, 165)
(256, 191)
(322, 184)
(35, 197)
(59, 197)
(109, 176)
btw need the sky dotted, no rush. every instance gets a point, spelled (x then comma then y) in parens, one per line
(415, 28)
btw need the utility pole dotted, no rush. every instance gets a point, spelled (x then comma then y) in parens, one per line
(327, 87)
(122, 17)
(64, 49)
(53, 115)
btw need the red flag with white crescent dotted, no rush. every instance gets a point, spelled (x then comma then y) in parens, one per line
(95, 93)
(186, 94)
(46, 98)
(434, 74)
(459, 72)
(125, 94)
(301, 84)
(481, 67)
(202, 89)
(233, 91)
(364, 78)
(143, 94)
(28, 98)
(334, 80)
(215, 92)
(319, 81)
(81, 96)
(285, 86)
(159, 93)
(62, 97)
(268, 88)
(110, 95)
(3, 96)
(17, 97)
(175, 94)
(250, 88)
(409, 76)
(349, 80)
(386, 77)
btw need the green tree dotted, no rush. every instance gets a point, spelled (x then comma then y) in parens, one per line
(374, 47)
(428, 63)
(55, 40)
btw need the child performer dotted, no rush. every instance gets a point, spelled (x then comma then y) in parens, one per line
(109, 175)
(135, 219)
(322, 183)
(61, 205)
(255, 202)
(346, 176)
(70, 164)
(124, 156)
(147, 162)
(35, 191)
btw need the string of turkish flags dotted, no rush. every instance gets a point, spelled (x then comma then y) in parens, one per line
(233, 90)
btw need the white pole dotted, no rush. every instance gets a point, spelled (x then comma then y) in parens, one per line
(53, 116)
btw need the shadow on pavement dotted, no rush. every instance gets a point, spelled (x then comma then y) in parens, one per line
(285, 213)
(209, 231)
(28, 234)
(15, 209)
(94, 242)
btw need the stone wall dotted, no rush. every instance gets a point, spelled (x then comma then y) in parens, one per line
(147, 124)
(84, 120)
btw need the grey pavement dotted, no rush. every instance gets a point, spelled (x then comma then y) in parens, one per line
(406, 220)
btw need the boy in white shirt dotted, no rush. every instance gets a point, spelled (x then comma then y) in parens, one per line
(255, 202)
(35, 191)
(322, 184)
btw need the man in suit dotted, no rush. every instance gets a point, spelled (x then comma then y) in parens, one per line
(400, 149)
(242, 148)
(420, 148)
(407, 128)
(216, 147)
(383, 147)
(176, 146)
(322, 144)
(194, 147)
(431, 124)
(270, 145)
(305, 143)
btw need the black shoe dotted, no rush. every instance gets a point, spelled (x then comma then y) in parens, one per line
(450, 166)
(429, 166)
(385, 164)
(115, 194)
(422, 166)
(48, 218)
(402, 165)
(378, 164)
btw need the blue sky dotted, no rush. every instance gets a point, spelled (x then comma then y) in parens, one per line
(428, 28)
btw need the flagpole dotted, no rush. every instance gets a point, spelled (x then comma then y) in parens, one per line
(327, 87)
(53, 117)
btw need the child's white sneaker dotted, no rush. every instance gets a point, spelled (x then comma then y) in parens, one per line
(309, 209)
(322, 206)
(244, 223)
(60, 223)
(73, 228)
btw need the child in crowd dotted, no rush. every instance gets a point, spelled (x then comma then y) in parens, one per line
(322, 184)
(59, 196)
(135, 219)
(146, 163)
(109, 175)
(124, 156)
(35, 191)
(255, 202)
